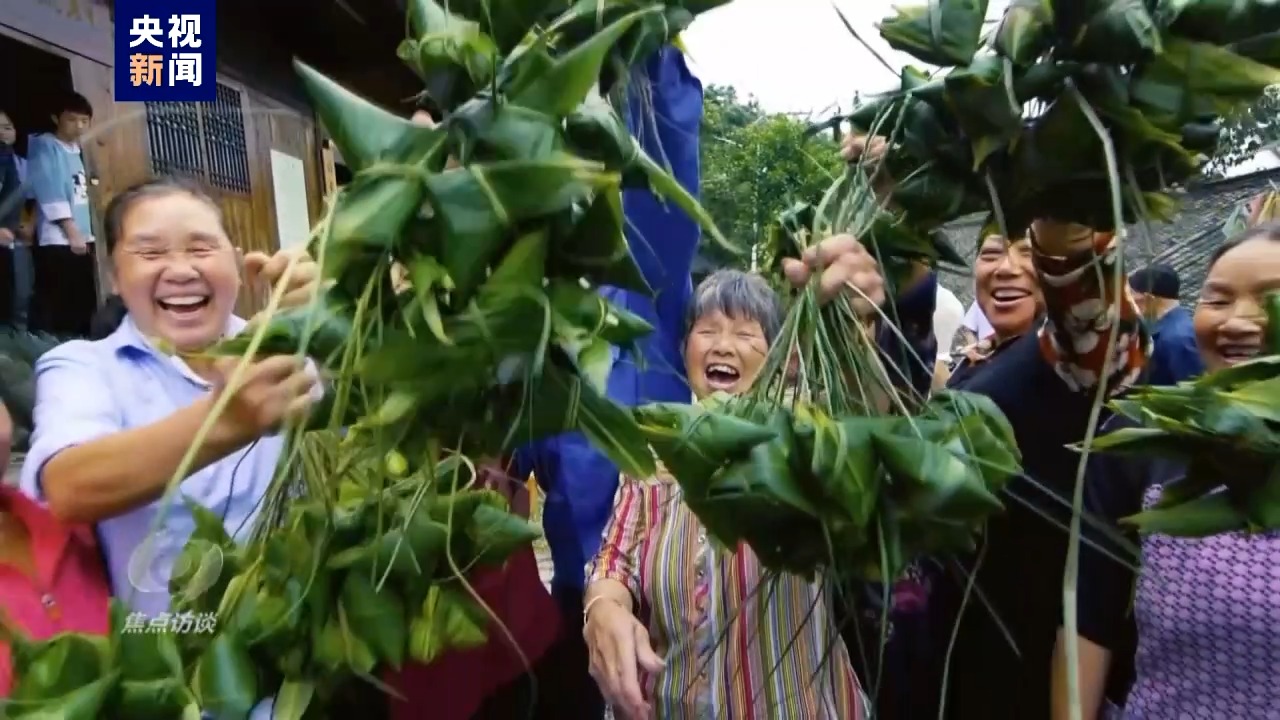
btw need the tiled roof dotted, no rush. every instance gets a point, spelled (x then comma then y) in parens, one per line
(1185, 243)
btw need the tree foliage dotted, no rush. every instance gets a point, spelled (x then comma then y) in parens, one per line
(1249, 131)
(754, 165)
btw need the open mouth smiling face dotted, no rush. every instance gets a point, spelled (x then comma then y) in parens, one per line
(722, 377)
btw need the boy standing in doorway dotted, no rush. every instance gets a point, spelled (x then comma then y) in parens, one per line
(66, 272)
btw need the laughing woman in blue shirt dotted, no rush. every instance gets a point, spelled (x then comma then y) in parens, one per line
(114, 417)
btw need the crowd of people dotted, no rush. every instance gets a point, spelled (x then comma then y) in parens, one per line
(48, 275)
(645, 615)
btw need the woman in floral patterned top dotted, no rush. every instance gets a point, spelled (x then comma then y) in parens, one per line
(1207, 610)
(726, 641)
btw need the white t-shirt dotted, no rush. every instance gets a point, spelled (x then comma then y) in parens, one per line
(975, 321)
(947, 316)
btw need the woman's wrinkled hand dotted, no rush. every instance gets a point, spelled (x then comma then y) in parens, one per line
(619, 647)
(303, 281)
(856, 147)
(845, 267)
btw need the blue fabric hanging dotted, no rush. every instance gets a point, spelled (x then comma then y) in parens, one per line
(579, 481)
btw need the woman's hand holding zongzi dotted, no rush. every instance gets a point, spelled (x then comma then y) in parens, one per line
(845, 267)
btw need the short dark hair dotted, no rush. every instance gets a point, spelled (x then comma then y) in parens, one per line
(1157, 279)
(72, 102)
(121, 204)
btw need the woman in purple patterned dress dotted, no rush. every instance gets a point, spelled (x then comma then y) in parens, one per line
(1207, 610)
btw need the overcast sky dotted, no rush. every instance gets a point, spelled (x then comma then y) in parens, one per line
(796, 55)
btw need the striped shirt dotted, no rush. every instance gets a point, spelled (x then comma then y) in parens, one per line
(738, 644)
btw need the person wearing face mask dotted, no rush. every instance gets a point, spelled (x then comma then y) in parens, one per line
(114, 417)
(1206, 609)
(1050, 297)
(718, 638)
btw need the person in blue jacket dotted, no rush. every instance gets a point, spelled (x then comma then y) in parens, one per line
(1176, 357)
(578, 480)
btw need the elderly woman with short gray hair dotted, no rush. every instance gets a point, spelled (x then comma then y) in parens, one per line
(719, 640)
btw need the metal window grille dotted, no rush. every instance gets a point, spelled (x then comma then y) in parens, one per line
(201, 140)
(226, 153)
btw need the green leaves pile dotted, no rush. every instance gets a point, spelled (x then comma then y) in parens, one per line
(1020, 122)
(863, 494)
(1225, 426)
(507, 217)
(71, 676)
(359, 576)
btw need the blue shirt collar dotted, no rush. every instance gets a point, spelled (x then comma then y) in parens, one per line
(128, 337)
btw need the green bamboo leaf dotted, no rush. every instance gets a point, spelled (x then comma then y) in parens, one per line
(596, 247)
(451, 54)
(1273, 323)
(1208, 515)
(152, 699)
(512, 132)
(694, 442)
(984, 107)
(448, 620)
(87, 701)
(569, 402)
(1115, 32)
(480, 203)
(428, 280)
(376, 618)
(507, 21)
(1026, 30)
(372, 213)
(1142, 442)
(498, 534)
(563, 86)
(225, 679)
(665, 186)
(595, 131)
(930, 479)
(149, 656)
(1228, 378)
(844, 463)
(292, 701)
(523, 266)
(942, 32)
(326, 330)
(1190, 80)
(580, 307)
(1261, 399)
(57, 666)
(1217, 21)
(364, 132)
(770, 471)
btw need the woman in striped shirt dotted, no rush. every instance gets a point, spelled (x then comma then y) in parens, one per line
(720, 639)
